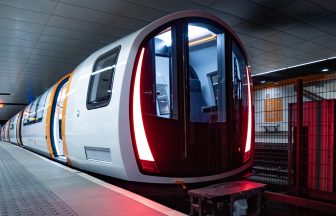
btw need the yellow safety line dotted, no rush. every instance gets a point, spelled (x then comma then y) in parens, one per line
(65, 102)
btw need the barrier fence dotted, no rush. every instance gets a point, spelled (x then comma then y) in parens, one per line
(295, 138)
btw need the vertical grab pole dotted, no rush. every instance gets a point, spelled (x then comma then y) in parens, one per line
(299, 117)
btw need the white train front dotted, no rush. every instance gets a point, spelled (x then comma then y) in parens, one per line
(169, 103)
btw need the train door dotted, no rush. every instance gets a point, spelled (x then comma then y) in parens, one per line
(56, 121)
(18, 128)
(181, 85)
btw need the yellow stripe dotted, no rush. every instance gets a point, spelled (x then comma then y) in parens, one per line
(49, 105)
(65, 102)
(18, 127)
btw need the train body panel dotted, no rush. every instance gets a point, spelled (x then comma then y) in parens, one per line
(100, 150)
(33, 125)
(143, 82)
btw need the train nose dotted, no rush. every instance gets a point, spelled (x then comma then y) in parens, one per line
(190, 114)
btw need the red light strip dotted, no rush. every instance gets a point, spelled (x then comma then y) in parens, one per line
(249, 124)
(139, 130)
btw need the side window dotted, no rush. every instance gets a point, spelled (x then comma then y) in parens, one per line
(26, 114)
(32, 112)
(40, 107)
(101, 80)
(11, 126)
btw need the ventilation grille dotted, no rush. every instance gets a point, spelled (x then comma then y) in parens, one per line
(98, 154)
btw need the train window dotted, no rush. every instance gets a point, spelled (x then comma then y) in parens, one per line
(26, 115)
(101, 80)
(160, 77)
(206, 73)
(11, 126)
(32, 112)
(40, 107)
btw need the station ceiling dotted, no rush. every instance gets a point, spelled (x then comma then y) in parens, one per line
(42, 40)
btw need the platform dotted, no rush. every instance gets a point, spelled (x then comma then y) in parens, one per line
(33, 185)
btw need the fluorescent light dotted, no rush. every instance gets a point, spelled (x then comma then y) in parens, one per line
(280, 69)
(262, 81)
(103, 70)
(325, 70)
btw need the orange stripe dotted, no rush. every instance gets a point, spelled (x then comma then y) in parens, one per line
(65, 102)
(49, 106)
(18, 127)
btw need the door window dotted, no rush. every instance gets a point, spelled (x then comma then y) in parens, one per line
(160, 87)
(206, 73)
(101, 80)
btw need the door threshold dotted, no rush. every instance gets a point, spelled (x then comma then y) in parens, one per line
(61, 158)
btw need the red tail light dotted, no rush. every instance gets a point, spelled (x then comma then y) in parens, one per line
(249, 120)
(144, 152)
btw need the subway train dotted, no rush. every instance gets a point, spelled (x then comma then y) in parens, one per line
(169, 103)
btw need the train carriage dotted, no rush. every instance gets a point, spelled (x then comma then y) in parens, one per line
(169, 103)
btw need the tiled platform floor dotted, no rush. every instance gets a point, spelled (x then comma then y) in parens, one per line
(33, 185)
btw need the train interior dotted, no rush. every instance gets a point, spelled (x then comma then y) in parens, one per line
(204, 75)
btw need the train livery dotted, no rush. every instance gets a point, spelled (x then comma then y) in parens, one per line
(169, 103)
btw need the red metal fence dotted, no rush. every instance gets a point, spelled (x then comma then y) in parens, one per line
(295, 138)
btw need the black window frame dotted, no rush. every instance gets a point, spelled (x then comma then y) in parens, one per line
(103, 103)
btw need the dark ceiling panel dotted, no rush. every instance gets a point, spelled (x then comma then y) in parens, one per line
(239, 8)
(275, 20)
(119, 8)
(44, 6)
(85, 26)
(283, 38)
(271, 3)
(302, 10)
(253, 29)
(23, 15)
(305, 31)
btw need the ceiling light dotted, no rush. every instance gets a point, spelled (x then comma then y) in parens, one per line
(325, 70)
(280, 69)
(2, 106)
(262, 81)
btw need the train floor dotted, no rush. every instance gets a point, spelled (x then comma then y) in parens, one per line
(33, 185)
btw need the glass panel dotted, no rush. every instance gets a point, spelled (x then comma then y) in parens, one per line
(32, 113)
(11, 127)
(161, 81)
(25, 115)
(206, 73)
(100, 89)
(40, 108)
(239, 79)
